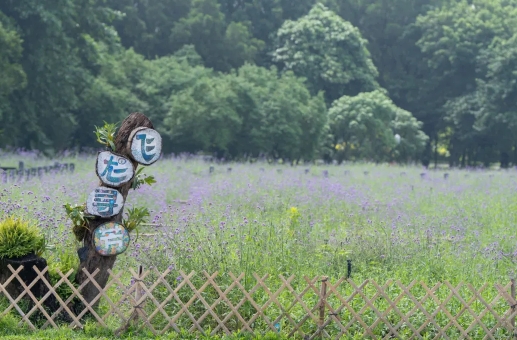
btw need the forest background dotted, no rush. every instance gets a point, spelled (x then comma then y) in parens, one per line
(298, 80)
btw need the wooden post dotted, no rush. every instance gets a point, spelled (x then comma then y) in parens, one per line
(323, 301)
(92, 259)
(512, 320)
(139, 292)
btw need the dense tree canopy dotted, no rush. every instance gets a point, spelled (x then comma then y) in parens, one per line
(288, 79)
(328, 51)
(364, 127)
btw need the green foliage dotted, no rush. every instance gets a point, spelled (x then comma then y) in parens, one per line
(64, 262)
(60, 65)
(280, 118)
(250, 112)
(66, 68)
(203, 116)
(222, 46)
(106, 135)
(364, 127)
(462, 42)
(20, 237)
(141, 179)
(135, 217)
(13, 76)
(413, 139)
(328, 51)
(76, 213)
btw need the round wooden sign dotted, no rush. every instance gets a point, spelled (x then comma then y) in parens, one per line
(111, 239)
(145, 145)
(104, 202)
(114, 170)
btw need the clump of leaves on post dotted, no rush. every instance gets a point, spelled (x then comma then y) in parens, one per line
(134, 218)
(79, 219)
(106, 135)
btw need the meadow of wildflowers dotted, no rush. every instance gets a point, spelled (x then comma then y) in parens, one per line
(392, 222)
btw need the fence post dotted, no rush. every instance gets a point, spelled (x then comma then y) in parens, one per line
(133, 318)
(512, 320)
(139, 290)
(323, 301)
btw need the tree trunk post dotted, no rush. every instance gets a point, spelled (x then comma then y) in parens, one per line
(90, 259)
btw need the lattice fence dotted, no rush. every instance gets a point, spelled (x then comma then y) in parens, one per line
(304, 308)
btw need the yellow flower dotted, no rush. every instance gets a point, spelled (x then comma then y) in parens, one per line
(294, 214)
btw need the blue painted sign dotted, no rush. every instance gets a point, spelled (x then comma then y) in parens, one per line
(114, 170)
(104, 202)
(146, 145)
(111, 239)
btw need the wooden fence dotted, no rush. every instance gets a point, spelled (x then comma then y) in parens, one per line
(12, 174)
(304, 308)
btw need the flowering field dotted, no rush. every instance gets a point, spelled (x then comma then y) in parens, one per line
(392, 222)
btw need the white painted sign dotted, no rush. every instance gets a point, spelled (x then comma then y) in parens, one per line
(146, 145)
(114, 170)
(104, 202)
(111, 238)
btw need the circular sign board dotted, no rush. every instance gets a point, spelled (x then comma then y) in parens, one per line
(104, 202)
(114, 170)
(146, 145)
(110, 239)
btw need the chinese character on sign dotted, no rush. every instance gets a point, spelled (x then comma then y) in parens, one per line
(104, 202)
(114, 170)
(146, 145)
(110, 170)
(111, 239)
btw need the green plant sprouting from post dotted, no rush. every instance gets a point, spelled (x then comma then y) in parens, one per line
(106, 135)
(79, 219)
(134, 218)
(141, 179)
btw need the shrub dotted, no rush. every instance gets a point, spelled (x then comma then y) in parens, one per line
(67, 260)
(20, 237)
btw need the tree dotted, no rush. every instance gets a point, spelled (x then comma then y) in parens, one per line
(364, 127)
(146, 25)
(328, 51)
(281, 118)
(203, 116)
(264, 18)
(496, 118)
(453, 38)
(164, 77)
(413, 140)
(111, 94)
(249, 113)
(222, 46)
(389, 27)
(60, 63)
(13, 77)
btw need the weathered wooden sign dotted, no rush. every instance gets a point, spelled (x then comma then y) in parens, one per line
(104, 202)
(111, 239)
(145, 145)
(114, 170)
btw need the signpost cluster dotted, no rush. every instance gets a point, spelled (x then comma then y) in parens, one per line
(106, 201)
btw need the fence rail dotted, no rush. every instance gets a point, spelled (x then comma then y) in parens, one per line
(305, 308)
(12, 174)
